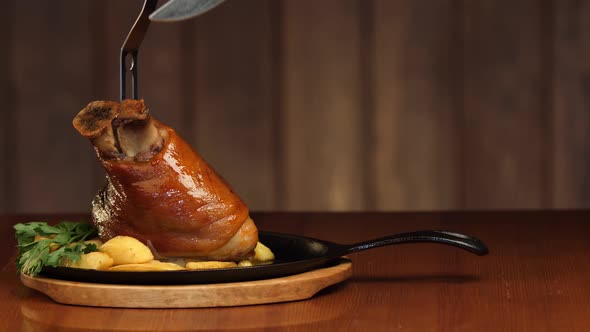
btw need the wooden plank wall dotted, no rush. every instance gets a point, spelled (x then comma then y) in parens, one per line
(416, 106)
(571, 115)
(8, 175)
(315, 105)
(50, 55)
(505, 115)
(322, 109)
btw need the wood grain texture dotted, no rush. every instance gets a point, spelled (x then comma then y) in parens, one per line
(572, 102)
(535, 279)
(309, 105)
(415, 119)
(291, 288)
(322, 105)
(503, 116)
(161, 69)
(232, 126)
(8, 169)
(51, 157)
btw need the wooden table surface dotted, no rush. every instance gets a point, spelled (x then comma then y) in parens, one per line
(536, 278)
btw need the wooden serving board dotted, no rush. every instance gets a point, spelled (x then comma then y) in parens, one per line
(291, 288)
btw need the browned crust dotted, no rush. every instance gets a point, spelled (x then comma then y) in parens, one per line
(92, 120)
(132, 109)
(160, 190)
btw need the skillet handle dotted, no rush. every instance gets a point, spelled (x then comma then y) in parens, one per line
(471, 244)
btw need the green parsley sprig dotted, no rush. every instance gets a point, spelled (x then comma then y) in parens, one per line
(66, 236)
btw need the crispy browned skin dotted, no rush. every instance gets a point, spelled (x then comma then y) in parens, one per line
(160, 190)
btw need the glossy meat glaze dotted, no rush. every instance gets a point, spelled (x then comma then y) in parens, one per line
(165, 195)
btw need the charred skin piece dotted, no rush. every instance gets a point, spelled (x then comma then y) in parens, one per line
(159, 190)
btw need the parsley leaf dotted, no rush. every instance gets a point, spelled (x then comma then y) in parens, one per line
(52, 245)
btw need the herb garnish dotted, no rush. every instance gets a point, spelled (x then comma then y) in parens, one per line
(64, 240)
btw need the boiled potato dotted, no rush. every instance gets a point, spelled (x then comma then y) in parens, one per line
(181, 261)
(245, 263)
(262, 253)
(126, 250)
(153, 265)
(209, 265)
(168, 266)
(93, 260)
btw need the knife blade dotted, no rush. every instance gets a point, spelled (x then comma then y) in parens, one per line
(179, 10)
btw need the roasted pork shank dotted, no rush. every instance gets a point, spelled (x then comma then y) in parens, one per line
(159, 190)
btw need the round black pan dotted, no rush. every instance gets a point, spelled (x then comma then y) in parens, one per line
(294, 254)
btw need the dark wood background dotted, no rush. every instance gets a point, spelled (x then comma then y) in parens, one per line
(315, 105)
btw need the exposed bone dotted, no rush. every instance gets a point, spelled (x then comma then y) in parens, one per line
(120, 131)
(94, 122)
(106, 144)
(135, 130)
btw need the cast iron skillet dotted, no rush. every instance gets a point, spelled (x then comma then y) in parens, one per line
(294, 254)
